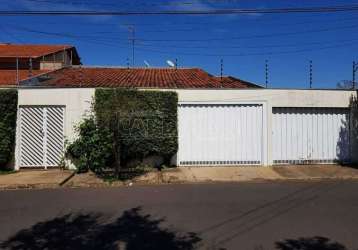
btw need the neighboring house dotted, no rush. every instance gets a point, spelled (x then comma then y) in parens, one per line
(219, 122)
(19, 62)
(181, 78)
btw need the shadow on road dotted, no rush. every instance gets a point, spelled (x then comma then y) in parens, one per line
(132, 230)
(246, 222)
(313, 243)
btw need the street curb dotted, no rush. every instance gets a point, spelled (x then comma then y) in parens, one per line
(29, 186)
(161, 181)
(37, 185)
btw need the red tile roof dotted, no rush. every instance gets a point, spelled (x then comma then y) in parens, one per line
(136, 77)
(8, 77)
(233, 82)
(27, 51)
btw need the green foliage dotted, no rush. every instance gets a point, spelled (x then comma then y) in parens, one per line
(8, 112)
(354, 129)
(4, 172)
(143, 122)
(93, 149)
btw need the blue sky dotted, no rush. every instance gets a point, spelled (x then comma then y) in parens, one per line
(244, 42)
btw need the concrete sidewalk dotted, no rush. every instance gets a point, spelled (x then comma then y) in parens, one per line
(219, 174)
(34, 179)
(247, 173)
(55, 178)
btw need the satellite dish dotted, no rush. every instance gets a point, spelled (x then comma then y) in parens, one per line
(146, 64)
(170, 63)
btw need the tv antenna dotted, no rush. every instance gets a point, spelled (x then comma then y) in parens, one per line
(146, 64)
(171, 64)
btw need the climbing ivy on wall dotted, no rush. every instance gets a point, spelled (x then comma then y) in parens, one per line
(354, 129)
(143, 122)
(8, 112)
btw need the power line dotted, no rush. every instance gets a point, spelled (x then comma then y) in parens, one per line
(205, 27)
(221, 22)
(3, 29)
(101, 4)
(250, 54)
(106, 39)
(86, 39)
(61, 34)
(254, 36)
(321, 9)
(114, 43)
(216, 39)
(286, 45)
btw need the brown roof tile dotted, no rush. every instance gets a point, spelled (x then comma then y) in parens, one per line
(133, 77)
(8, 77)
(138, 78)
(232, 82)
(27, 51)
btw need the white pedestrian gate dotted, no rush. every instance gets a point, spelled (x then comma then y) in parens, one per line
(220, 134)
(310, 135)
(41, 136)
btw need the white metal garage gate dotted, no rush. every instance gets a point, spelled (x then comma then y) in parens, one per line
(310, 135)
(220, 134)
(41, 136)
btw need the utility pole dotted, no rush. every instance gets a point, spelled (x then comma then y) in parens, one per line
(266, 72)
(30, 67)
(221, 71)
(311, 74)
(354, 70)
(131, 30)
(17, 71)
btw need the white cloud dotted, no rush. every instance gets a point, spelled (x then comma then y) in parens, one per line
(188, 6)
(210, 5)
(46, 5)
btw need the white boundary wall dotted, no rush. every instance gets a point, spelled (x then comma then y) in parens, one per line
(78, 102)
(271, 98)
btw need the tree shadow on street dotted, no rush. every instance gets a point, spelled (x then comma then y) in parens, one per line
(132, 230)
(312, 243)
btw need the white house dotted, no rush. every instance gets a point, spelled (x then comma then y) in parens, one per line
(220, 122)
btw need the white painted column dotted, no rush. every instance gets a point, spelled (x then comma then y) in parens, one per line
(268, 128)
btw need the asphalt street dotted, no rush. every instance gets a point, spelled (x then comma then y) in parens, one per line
(253, 216)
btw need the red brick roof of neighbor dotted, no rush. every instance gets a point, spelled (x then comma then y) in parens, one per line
(29, 51)
(139, 78)
(228, 81)
(8, 77)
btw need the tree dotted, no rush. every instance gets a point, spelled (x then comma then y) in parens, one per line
(93, 149)
(345, 84)
(143, 123)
